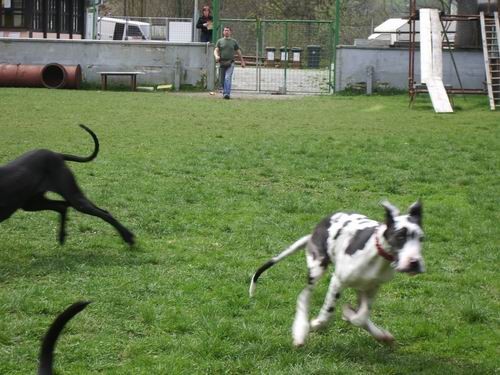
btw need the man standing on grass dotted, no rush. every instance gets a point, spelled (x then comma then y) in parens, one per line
(224, 55)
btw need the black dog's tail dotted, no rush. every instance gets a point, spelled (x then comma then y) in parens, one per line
(49, 341)
(84, 159)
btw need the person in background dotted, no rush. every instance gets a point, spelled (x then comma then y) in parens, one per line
(224, 51)
(205, 24)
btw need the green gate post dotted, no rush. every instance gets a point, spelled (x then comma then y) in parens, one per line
(258, 52)
(331, 72)
(286, 54)
(215, 34)
(216, 20)
(336, 42)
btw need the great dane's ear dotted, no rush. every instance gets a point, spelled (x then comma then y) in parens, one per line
(415, 212)
(390, 213)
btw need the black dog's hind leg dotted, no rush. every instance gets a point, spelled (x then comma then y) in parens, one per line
(82, 204)
(65, 185)
(40, 203)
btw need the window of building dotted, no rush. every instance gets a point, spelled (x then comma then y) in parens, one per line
(52, 16)
(37, 15)
(12, 13)
(75, 17)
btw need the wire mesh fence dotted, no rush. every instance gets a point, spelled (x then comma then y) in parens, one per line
(284, 56)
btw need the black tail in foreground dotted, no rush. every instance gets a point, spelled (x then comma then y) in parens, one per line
(84, 159)
(49, 341)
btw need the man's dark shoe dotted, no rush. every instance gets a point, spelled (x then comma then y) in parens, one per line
(227, 97)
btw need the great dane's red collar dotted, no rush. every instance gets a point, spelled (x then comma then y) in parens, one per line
(382, 252)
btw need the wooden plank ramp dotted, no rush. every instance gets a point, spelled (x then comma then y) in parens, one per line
(431, 59)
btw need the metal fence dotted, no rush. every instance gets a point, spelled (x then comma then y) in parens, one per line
(284, 56)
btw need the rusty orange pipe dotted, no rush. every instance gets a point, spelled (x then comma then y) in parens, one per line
(20, 75)
(53, 76)
(73, 76)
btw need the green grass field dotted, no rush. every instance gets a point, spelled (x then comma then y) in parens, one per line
(212, 189)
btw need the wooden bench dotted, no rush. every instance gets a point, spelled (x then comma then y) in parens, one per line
(249, 60)
(132, 75)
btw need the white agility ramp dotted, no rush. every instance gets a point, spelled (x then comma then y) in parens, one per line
(431, 59)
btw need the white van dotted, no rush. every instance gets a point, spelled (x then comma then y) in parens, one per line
(114, 29)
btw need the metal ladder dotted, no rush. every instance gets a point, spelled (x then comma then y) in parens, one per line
(490, 29)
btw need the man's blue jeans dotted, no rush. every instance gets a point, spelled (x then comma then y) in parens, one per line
(226, 77)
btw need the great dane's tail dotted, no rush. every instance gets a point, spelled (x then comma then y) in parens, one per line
(49, 341)
(297, 245)
(84, 159)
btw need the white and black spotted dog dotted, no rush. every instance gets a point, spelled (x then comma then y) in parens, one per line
(365, 253)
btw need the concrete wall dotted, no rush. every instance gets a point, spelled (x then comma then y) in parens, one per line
(156, 58)
(390, 65)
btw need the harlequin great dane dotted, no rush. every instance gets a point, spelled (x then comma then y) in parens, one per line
(25, 180)
(366, 254)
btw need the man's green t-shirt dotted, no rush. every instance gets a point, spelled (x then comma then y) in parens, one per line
(227, 47)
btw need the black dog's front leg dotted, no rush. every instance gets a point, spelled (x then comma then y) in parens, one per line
(40, 203)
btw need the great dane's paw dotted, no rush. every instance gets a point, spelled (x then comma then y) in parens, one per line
(300, 331)
(298, 344)
(385, 338)
(348, 313)
(317, 324)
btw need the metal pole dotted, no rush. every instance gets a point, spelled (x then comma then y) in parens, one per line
(286, 55)
(215, 33)
(195, 19)
(178, 8)
(452, 57)
(336, 42)
(167, 34)
(94, 23)
(258, 53)
(216, 21)
(411, 52)
(58, 19)
(331, 68)
(69, 18)
(126, 28)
